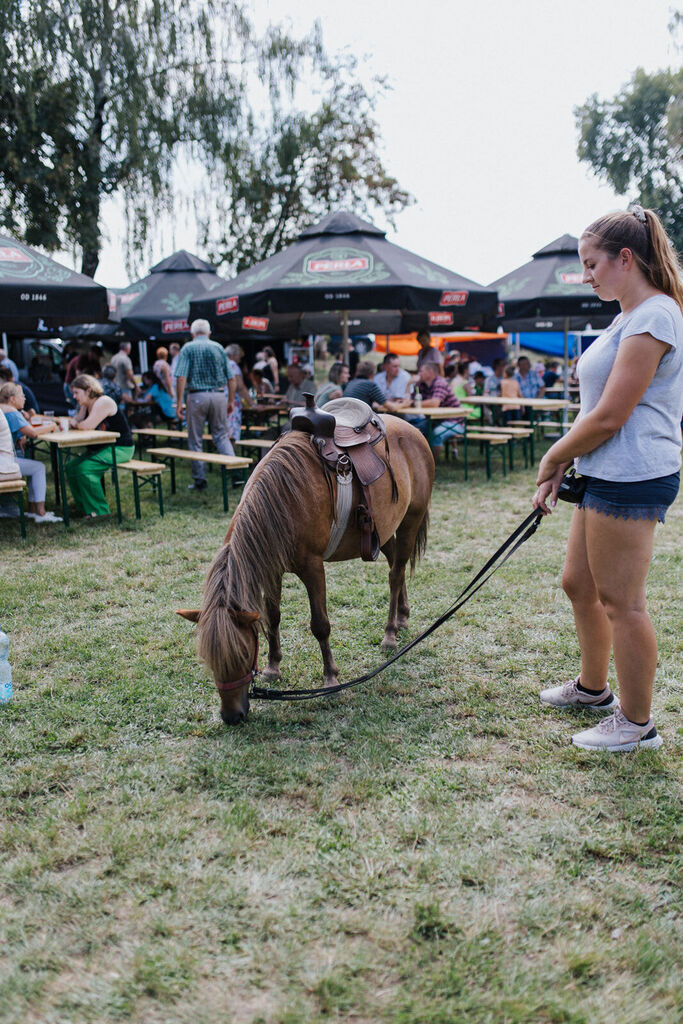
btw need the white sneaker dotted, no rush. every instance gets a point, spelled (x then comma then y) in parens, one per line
(568, 695)
(617, 733)
(49, 517)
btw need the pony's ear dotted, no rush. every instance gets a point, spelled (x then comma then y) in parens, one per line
(244, 618)
(188, 613)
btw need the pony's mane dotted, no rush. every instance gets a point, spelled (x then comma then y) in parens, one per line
(260, 548)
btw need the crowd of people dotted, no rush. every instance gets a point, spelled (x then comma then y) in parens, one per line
(201, 382)
(440, 379)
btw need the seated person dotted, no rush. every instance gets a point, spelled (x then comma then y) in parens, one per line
(337, 379)
(109, 386)
(262, 387)
(96, 411)
(392, 380)
(154, 391)
(436, 394)
(107, 379)
(31, 408)
(11, 404)
(296, 377)
(551, 374)
(460, 382)
(530, 383)
(509, 388)
(492, 382)
(363, 386)
(9, 469)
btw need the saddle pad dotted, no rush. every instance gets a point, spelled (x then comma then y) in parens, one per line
(349, 412)
(356, 422)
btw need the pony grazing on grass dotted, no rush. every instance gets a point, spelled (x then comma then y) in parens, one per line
(283, 524)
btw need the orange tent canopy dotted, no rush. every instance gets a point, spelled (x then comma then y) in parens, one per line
(406, 344)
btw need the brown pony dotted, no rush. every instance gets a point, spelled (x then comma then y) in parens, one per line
(282, 524)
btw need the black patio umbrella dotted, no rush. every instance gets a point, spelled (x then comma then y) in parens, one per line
(38, 293)
(547, 294)
(339, 270)
(158, 306)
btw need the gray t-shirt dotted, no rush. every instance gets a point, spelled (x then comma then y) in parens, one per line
(123, 366)
(649, 443)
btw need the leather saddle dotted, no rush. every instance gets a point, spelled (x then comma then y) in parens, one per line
(345, 433)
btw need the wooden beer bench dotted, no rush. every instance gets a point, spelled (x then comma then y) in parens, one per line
(489, 441)
(145, 473)
(227, 464)
(259, 445)
(16, 487)
(514, 434)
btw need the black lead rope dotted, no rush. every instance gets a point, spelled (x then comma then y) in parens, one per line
(525, 530)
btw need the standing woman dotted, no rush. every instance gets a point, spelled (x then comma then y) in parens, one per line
(96, 412)
(162, 369)
(271, 360)
(235, 355)
(627, 442)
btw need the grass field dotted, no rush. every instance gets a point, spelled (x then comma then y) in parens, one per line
(426, 848)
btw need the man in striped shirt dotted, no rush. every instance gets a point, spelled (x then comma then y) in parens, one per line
(436, 392)
(204, 369)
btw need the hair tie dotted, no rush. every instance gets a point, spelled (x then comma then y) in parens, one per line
(638, 212)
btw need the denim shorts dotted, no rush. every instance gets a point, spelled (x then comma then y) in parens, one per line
(638, 499)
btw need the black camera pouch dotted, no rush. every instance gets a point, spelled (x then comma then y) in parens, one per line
(572, 487)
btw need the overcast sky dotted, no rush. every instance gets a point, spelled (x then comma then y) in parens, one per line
(479, 124)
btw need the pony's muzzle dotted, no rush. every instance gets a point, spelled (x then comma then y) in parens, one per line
(234, 717)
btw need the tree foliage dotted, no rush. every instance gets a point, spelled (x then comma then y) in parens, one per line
(296, 167)
(635, 143)
(105, 98)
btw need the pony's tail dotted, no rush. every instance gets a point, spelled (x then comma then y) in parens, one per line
(219, 642)
(420, 545)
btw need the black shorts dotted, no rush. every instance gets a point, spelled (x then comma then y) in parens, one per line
(637, 499)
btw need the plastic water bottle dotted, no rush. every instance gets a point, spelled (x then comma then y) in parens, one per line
(5, 669)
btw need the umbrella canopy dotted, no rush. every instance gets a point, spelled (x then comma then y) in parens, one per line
(543, 294)
(343, 270)
(548, 294)
(158, 306)
(37, 293)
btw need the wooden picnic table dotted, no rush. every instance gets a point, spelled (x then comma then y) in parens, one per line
(62, 441)
(450, 412)
(256, 412)
(532, 404)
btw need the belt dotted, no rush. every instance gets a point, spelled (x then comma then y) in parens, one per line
(203, 391)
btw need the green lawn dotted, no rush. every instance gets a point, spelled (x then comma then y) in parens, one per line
(425, 848)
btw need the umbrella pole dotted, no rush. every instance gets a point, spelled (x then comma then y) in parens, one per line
(565, 415)
(345, 337)
(142, 356)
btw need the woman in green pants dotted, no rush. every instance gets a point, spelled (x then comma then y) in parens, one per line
(96, 411)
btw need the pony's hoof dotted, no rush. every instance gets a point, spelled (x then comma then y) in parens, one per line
(390, 643)
(402, 623)
(271, 675)
(331, 682)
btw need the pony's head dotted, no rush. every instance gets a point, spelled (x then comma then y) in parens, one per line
(228, 642)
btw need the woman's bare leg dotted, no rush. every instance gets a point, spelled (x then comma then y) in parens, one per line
(619, 555)
(593, 627)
